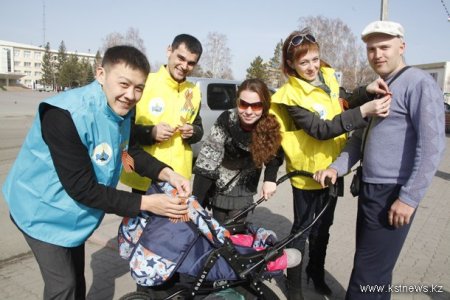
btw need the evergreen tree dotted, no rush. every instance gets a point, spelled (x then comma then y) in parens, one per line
(275, 75)
(90, 73)
(70, 74)
(258, 69)
(86, 72)
(47, 67)
(98, 60)
(62, 59)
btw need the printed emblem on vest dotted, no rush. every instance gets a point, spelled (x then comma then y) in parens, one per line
(320, 110)
(156, 106)
(102, 154)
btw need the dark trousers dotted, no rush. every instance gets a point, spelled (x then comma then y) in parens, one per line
(307, 204)
(378, 244)
(222, 215)
(62, 269)
(138, 191)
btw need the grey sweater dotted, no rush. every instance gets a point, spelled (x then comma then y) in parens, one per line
(406, 147)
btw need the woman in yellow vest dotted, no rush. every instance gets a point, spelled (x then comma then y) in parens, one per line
(314, 128)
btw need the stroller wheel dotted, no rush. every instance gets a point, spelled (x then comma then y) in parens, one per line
(136, 296)
(177, 295)
(266, 292)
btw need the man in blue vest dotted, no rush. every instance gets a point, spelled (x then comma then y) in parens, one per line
(63, 180)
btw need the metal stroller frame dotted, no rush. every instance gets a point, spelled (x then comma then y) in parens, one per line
(250, 268)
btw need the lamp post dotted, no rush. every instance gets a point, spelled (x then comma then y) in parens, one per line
(384, 10)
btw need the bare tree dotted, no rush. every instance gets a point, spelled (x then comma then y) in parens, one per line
(338, 47)
(216, 58)
(130, 38)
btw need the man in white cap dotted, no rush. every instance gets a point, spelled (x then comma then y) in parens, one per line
(401, 155)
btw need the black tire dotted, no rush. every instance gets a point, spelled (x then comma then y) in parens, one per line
(248, 292)
(136, 296)
(173, 295)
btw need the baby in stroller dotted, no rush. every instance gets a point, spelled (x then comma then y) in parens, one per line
(206, 254)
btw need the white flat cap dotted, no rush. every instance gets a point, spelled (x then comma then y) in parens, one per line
(385, 27)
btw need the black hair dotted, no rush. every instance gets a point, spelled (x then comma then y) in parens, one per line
(191, 42)
(128, 55)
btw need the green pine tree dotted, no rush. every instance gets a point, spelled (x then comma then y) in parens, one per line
(47, 67)
(258, 69)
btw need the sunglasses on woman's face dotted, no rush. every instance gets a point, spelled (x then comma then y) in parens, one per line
(244, 105)
(298, 39)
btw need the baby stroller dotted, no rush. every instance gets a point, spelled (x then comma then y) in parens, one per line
(202, 255)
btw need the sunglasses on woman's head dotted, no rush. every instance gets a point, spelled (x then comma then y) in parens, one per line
(244, 105)
(298, 39)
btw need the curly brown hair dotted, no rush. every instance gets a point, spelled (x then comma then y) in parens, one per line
(266, 136)
(266, 140)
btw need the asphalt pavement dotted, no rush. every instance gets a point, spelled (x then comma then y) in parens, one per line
(422, 271)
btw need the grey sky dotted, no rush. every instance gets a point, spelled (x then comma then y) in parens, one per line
(252, 27)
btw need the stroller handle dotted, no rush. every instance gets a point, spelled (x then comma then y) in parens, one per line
(332, 191)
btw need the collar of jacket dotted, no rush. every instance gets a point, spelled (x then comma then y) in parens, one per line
(306, 86)
(172, 83)
(240, 137)
(107, 110)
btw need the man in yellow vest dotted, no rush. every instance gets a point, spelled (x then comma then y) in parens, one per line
(167, 118)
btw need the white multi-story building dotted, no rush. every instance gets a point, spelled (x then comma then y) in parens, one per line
(440, 71)
(22, 63)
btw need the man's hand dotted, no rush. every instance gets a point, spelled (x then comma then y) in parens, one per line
(400, 213)
(186, 131)
(163, 205)
(268, 189)
(322, 175)
(162, 132)
(179, 182)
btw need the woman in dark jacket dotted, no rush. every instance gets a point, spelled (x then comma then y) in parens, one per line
(242, 140)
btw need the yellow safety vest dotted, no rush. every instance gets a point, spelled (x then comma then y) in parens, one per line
(166, 100)
(302, 151)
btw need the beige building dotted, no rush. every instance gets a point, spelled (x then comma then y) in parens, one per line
(440, 71)
(22, 64)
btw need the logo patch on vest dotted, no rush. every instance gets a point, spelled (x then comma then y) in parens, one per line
(102, 154)
(320, 110)
(156, 106)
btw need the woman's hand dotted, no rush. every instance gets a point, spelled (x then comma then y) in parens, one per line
(378, 87)
(378, 107)
(268, 189)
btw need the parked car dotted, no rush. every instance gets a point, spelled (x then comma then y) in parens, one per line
(44, 88)
(218, 95)
(447, 117)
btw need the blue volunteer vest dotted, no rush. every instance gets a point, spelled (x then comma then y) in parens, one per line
(37, 201)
